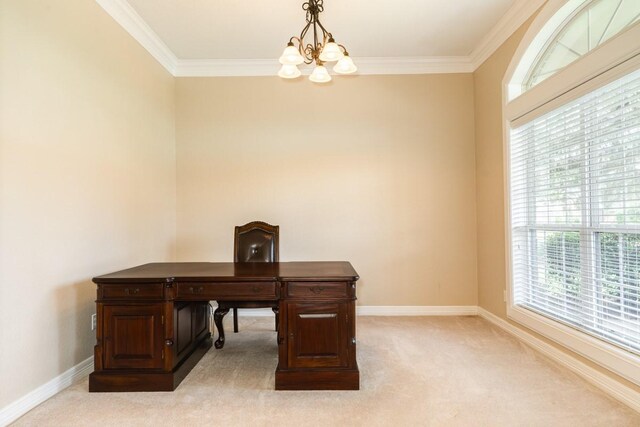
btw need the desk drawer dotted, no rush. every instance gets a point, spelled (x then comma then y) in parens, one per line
(240, 291)
(313, 290)
(132, 291)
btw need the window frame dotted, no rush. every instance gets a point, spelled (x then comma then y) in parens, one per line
(613, 59)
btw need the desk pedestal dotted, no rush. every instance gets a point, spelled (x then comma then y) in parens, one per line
(146, 345)
(317, 345)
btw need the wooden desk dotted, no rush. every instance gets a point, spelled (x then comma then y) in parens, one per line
(153, 322)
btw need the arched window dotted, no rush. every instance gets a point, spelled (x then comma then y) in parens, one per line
(572, 109)
(586, 26)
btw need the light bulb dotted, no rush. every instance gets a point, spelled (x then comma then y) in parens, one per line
(289, 71)
(331, 52)
(345, 65)
(291, 56)
(320, 75)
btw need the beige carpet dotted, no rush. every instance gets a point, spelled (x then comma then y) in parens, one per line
(449, 371)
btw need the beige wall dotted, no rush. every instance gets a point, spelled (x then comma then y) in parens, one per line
(490, 192)
(490, 175)
(377, 170)
(87, 184)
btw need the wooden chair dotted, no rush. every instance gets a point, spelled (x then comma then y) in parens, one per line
(256, 241)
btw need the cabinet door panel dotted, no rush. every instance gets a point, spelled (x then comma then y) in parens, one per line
(200, 319)
(184, 319)
(317, 335)
(190, 326)
(133, 336)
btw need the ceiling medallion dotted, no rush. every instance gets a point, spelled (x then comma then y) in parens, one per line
(323, 49)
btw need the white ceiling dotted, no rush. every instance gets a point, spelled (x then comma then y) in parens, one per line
(233, 37)
(224, 29)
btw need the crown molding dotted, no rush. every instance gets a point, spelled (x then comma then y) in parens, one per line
(513, 19)
(123, 13)
(414, 65)
(226, 67)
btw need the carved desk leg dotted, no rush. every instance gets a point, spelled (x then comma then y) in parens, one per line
(218, 315)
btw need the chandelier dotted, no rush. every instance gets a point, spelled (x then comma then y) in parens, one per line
(323, 49)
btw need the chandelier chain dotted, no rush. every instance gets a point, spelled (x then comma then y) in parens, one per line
(313, 8)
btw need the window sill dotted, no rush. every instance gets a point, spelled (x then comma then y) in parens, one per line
(617, 360)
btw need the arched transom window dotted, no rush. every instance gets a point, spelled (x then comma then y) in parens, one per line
(591, 24)
(575, 30)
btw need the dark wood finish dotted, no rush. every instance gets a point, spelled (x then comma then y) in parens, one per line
(254, 242)
(235, 320)
(183, 328)
(132, 291)
(317, 346)
(169, 272)
(148, 340)
(190, 326)
(245, 291)
(316, 335)
(317, 290)
(200, 320)
(348, 379)
(218, 315)
(133, 336)
(137, 380)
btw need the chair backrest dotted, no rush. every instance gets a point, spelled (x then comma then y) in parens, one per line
(256, 241)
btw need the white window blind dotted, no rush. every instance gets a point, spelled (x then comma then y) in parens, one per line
(575, 213)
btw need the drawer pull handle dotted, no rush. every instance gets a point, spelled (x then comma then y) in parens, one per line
(168, 343)
(131, 291)
(255, 289)
(316, 289)
(318, 316)
(197, 290)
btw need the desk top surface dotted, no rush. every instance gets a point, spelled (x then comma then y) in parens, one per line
(229, 271)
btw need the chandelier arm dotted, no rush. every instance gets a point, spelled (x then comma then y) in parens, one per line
(326, 34)
(304, 31)
(302, 48)
(344, 49)
(296, 39)
(315, 32)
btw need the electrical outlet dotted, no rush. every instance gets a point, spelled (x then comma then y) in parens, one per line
(94, 321)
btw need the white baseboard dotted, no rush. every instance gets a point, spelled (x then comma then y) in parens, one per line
(615, 389)
(252, 312)
(386, 310)
(417, 310)
(18, 408)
